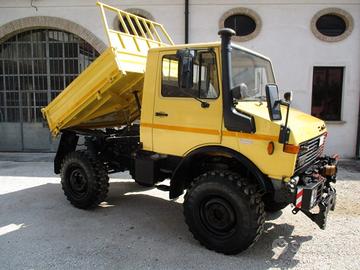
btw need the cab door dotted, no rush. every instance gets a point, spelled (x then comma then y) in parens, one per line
(186, 118)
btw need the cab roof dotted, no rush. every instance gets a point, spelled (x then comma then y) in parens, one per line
(216, 44)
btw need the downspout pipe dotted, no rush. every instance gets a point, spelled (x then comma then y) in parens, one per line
(186, 21)
(358, 136)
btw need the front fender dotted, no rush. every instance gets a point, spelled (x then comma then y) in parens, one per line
(182, 173)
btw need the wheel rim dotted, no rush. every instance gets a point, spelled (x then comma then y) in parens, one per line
(218, 216)
(78, 182)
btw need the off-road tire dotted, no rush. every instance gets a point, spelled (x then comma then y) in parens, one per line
(84, 179)
(224, 211)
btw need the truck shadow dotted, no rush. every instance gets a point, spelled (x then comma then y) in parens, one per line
(281, 245)
(129, 223)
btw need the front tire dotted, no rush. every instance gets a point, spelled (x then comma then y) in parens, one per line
(84, 179)
(271, 206)
(224, 212)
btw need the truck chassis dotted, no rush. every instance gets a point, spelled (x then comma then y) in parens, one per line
(217, 185)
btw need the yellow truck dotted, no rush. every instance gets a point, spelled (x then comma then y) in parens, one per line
(206, 116)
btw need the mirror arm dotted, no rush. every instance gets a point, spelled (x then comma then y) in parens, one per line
(284, 130)
(287, 114)
(283, 102)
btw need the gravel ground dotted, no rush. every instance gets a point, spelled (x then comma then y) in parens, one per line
(140, 228)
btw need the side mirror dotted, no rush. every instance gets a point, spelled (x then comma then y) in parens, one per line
(239, 91)
(273, 102)
(236, 92)
(288, 96)
(185, 68)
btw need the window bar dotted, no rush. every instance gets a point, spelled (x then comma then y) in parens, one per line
(4, 94)
(78, 56)
(33, 70)
(33, 106)
(63, 60)
(48, 74)
(20, 97)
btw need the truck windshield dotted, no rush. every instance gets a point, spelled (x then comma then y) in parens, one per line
(251, 73)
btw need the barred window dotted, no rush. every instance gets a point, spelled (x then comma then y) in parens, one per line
(35, 66)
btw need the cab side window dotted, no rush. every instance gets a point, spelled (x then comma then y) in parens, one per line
(205, 78)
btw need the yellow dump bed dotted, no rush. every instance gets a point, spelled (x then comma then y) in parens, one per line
(103, 95)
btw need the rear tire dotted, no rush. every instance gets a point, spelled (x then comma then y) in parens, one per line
(224, 212)
(84, 179)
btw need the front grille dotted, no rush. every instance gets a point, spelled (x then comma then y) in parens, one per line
(309, 151)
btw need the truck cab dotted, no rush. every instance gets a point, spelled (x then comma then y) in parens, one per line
(209, 118)
(177, 120)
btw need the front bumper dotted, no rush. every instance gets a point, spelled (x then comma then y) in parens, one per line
(314, 189)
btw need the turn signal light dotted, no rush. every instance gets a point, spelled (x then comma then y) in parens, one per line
(291, 149)
(270, 148)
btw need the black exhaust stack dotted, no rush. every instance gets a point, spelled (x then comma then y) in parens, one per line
(234, 120)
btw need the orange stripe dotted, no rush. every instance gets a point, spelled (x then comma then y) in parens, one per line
(184, 129)
(250, 136)
(212, 132)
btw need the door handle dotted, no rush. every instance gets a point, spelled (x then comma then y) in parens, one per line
(161, 114)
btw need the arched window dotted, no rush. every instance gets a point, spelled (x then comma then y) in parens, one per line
(245, 22)
(332, 24)
(35, 66)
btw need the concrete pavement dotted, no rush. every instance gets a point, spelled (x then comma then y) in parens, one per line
(139, 228)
